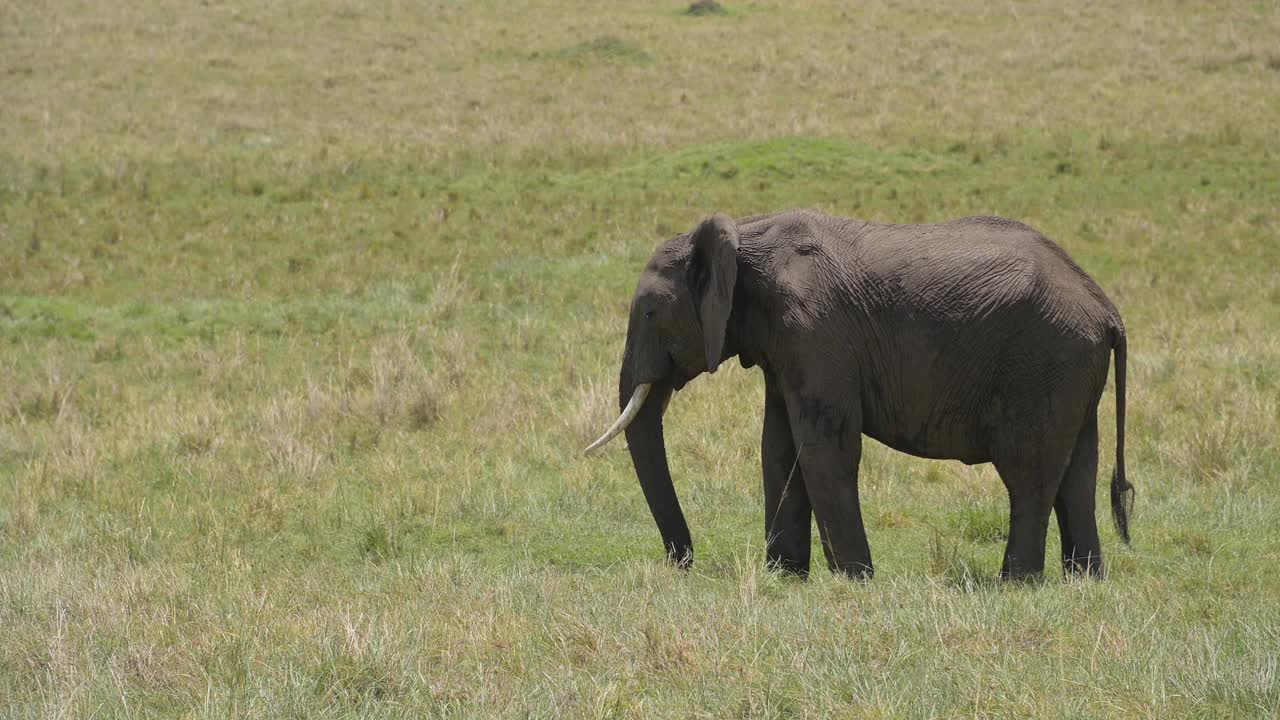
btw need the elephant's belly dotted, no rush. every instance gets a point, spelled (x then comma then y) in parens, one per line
(934, 443)
(929, 412)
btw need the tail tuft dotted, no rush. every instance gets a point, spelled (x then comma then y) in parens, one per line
(1122, 496)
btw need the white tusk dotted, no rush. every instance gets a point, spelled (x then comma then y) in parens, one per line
(628, 414)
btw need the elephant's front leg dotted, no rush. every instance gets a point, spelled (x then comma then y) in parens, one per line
(786, 502)
(827, 428)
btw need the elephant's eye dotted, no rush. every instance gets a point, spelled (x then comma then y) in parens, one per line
(648, 314)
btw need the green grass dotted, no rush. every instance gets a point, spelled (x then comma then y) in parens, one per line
(306, 313)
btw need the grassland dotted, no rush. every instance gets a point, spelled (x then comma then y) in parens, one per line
(307, 309)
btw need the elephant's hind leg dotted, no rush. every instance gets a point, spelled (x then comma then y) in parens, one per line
(1032, 472)
(1075, 504)
(787, 512)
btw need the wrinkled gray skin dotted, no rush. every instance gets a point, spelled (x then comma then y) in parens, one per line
(977, 340)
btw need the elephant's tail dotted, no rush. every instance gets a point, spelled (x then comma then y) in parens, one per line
(1122, 493)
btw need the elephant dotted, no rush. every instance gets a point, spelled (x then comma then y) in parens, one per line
(977, 339)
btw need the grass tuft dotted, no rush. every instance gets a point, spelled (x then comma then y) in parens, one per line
(982, 524)
(702, 8)
(606, 49)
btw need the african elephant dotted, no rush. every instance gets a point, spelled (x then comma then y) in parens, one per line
(978, 340)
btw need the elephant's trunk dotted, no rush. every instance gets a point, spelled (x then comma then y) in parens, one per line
(649, 456)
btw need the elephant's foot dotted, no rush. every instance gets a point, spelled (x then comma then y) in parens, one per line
(680, 555)
(1021, 576)
(859, 571)
(1020, 569)
(793, 567)
(1087, 564)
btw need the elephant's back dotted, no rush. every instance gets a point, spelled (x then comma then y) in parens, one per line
(986, 268)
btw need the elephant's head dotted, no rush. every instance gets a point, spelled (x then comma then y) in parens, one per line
(678, 326)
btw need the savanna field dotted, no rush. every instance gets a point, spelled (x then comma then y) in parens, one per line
(307, 311)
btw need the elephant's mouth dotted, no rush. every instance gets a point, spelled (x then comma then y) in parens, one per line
(673, 374)
(676, 379)
(679, 375)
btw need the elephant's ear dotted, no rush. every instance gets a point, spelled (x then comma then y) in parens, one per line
(713, 271)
